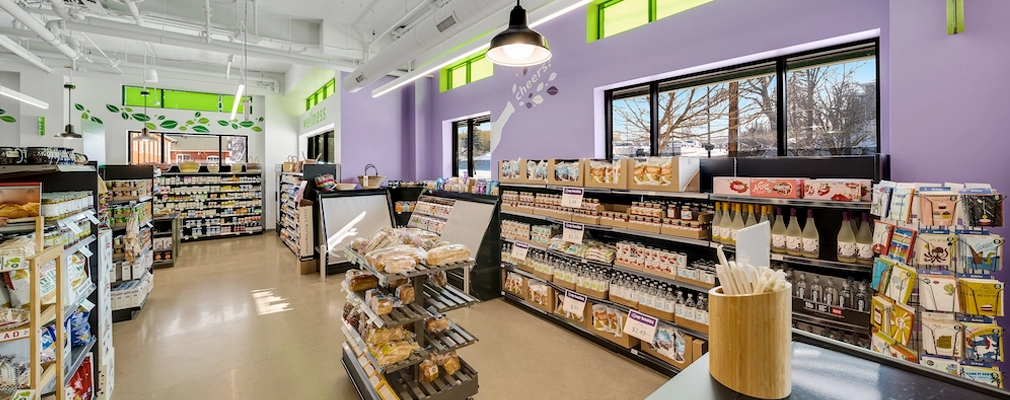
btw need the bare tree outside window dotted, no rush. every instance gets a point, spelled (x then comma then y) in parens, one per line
(832, 109)
(632, 127)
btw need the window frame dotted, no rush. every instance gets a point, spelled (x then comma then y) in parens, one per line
(595, 17)
(163, 158)
(781, 65)
(325, 91)
(445, 74)
(471, 124)
(159, 96)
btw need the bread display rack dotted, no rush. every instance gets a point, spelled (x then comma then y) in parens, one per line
(403, 381)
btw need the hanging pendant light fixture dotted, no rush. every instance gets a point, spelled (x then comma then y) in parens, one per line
(518, 45)
(68, 131)
(245, 65)
(145, 134)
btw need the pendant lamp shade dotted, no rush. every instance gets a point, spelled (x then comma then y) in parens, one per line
(145, 134)
(68, 131)
(151, 75)
(518, 45)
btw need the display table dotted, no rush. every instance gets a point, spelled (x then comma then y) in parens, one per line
(824, 370)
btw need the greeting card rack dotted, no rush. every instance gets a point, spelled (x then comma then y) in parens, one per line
(376, 382)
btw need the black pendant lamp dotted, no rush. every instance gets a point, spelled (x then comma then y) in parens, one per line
(145, 134)
(68, 131)
(518, 45)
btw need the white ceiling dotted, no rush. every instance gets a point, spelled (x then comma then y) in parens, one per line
(321, 33)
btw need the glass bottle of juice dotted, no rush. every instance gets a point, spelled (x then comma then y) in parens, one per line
(794, 235)
(811, 239)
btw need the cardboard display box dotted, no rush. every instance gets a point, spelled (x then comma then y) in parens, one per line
(684, 359)
(585, 320)
(849, 190)
(656, 313)
(512, 171)
(644, 227)
(616, 208)
(509, 206)
(532, 176)
(779, 188)
(623, 301)
(544, 298)
(699, 349)
(590, 292)
(543, 276)
(680, 231)
(621, 339)
(694, 326)
(665, 174)
(520, 291)
(306, 267)
(585, 219)
(564, 284)
(695, 282)
(570, 173)
(731, 186)
(597, 173)
(628, 265)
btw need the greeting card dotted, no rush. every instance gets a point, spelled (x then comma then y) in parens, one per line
(900, 283)
(934, 249)
(882, 232)
(980, 295)
(902, 242)
(881, 272)
(938, 209)
(983, 340)
(982, 372)
(983, 210)
(901, 203)
(880, 313)
(938, 291)
(940, 364)
(881, 198)
(941, 334)
(902, 320)
(979, 251)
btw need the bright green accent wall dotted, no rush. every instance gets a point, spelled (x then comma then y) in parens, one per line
(470, 70)
(606, 18)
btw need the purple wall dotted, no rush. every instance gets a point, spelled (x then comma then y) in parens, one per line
(947, 91)
(376, 131)
(563, 125)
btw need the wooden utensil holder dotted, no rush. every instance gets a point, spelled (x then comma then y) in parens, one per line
(750, 342)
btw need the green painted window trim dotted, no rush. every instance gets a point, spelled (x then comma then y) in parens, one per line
(445, 80)
(183, 99)
(595, 15)
(327, 90)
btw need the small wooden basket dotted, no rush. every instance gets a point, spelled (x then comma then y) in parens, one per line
(750, 342)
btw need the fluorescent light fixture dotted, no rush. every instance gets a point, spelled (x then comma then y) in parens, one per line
(24, 98)
(396, 85)
(238, 100)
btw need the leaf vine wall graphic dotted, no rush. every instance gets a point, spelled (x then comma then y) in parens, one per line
(198, 124)
(7, 118)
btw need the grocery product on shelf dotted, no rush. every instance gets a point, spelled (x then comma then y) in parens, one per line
(794, 235)
(55, 205)
(212, 205)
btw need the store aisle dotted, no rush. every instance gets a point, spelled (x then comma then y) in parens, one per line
(233, 320)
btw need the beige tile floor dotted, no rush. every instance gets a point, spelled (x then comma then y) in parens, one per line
(203, 336)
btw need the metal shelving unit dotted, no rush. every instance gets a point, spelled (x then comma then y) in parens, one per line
(403, 381)
(198, 187)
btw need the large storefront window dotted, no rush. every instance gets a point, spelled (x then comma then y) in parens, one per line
(174, 148)
(829, 107)
(471, 149)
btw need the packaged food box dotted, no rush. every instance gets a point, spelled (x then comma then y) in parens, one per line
(731, 185)
(566, 172)
(540, 294)
(608, 322)
(780, 188)
(832, 190)
(585, 320)
(665, 174)
(607, 174)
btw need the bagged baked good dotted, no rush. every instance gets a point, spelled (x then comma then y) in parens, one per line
(375, 336)
(598, 171)
(423, 239)
(13, 317)
(381, 305)
(399, 264)
(449, 362)
(77, 269)
(381, 239)
(393, 283)
(429, 370)
(379, 258)
(447, 255)
(437, 278)
(358, 244)
(80, 330)
(437, 324)
(48, 341)
(391, 352)
(19, 285)
(359, 281)
(600, 319)
(13, 211)
(406, 294)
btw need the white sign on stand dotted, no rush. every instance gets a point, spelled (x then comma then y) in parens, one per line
(753, 245)
(574, 303)
(641, 326)
(572, 197)
(519, 250)
(573, 232)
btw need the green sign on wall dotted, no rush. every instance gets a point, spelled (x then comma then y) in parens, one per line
(42, 125)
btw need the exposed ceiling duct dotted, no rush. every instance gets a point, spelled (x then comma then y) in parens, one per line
(440, 26)
(38, 27)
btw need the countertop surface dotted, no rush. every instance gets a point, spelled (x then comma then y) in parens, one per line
(820, 373)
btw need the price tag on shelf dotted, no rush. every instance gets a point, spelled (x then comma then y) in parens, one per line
(573, 303)
(74, 228)
(91, 216)
(641, 326)
(84, 250)
(519, 250)
(573, 232)
(149, 224)
(572, 197)
(777, 257)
